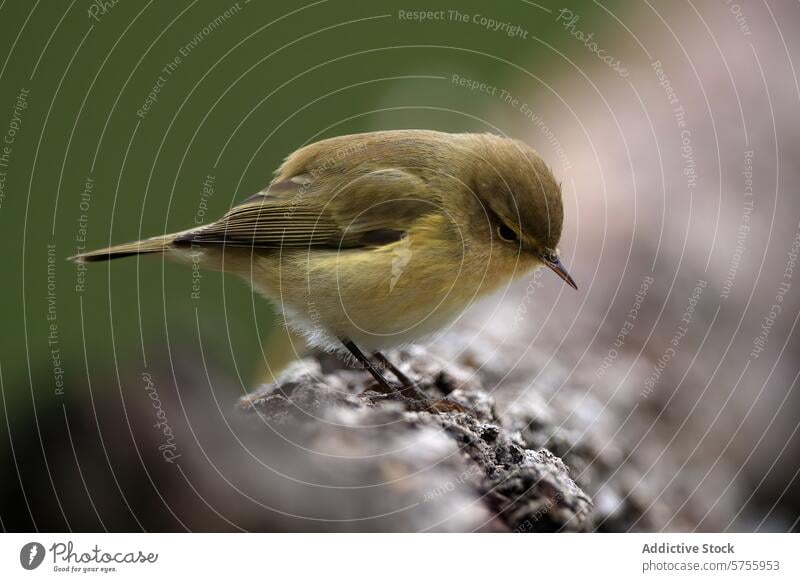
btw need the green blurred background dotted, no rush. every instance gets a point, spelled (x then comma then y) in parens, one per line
(255, 81)
(714, 447)
(267, 79)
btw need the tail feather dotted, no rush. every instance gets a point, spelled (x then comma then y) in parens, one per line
(157, 244)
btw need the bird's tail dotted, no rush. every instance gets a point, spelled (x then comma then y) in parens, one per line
(157, 244)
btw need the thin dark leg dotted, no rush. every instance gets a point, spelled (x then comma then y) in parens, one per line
(410, 389)
(365, 361)
(415, 403)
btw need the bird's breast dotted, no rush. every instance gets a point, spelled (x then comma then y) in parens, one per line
(378, 297)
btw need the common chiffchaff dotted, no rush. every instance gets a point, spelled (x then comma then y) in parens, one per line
(378, 239)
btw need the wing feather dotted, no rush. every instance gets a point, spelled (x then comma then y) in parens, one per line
(338, 212)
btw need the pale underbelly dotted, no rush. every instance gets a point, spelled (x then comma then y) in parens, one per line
(369, 300)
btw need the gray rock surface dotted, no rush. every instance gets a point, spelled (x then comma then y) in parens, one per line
(471, 469)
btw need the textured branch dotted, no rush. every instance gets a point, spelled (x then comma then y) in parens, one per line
(466, 465)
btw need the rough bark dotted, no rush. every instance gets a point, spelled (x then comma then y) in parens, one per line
(504, 481)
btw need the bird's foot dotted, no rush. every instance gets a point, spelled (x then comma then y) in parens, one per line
(418, 404)
(445, 405)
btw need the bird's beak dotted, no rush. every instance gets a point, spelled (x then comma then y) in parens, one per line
(559, 269)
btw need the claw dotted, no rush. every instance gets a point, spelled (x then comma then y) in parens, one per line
(445, 405)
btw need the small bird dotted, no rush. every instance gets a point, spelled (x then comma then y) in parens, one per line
(373, 240)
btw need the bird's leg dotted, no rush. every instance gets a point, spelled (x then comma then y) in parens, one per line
(359, 355)
(382, 382)
(411, 390)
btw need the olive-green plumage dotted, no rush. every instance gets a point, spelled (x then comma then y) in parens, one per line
(383, 237)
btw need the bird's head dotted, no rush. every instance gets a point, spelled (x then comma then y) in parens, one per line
(514, 202)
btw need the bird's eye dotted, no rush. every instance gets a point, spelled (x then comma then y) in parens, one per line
(505, 233)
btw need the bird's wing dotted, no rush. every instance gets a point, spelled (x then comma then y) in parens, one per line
(372, 209)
